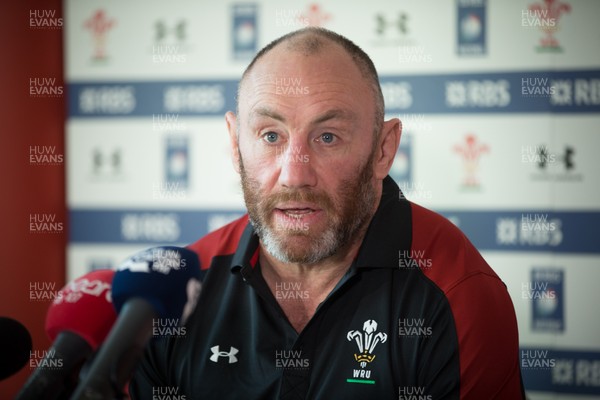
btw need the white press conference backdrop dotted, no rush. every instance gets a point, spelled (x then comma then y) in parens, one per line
(500, 102)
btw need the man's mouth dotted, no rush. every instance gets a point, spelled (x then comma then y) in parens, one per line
(296, 212)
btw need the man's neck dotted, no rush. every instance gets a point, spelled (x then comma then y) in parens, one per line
(298, 288)
(315, 275)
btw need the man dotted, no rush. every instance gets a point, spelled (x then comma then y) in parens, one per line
(336, 286)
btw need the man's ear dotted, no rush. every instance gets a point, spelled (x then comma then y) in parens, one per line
(231, 121)
(387, 147)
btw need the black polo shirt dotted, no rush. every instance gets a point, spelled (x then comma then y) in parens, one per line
(418, 315)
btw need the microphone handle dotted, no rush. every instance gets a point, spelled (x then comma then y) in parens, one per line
(57, 370)
(118, 355)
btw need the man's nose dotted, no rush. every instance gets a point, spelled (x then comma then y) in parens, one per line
(296, 166)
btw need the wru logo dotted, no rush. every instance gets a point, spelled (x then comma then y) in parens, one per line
(366, 341)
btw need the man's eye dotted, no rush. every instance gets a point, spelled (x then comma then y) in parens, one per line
(271, 137)
(327, 137)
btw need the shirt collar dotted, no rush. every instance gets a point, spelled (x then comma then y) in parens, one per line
(246, 255)
(390, 230)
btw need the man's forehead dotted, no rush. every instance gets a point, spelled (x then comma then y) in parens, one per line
(286, 63)
(285, 77)
(265, 111)
(292, 73)
(293, 83)
(260, 78)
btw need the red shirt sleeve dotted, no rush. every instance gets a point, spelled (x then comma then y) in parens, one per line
(484, 316)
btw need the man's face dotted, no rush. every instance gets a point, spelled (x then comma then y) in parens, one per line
(306, 153)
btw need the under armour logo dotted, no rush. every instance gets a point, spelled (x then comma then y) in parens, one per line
(216, 354)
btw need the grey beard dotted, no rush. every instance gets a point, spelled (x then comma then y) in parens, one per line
(328, 244)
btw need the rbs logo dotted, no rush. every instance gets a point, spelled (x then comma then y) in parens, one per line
(155, 227)
(480, 94)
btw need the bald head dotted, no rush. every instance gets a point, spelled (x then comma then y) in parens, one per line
(312, 41)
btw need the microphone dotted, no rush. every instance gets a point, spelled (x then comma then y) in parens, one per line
(77, 322)
(16, 346)
(160, 282)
